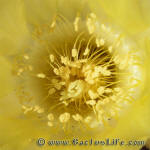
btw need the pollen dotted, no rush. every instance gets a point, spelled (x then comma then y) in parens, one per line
(20, 71)
(50, 117)
(110, 49)
(101, 90)
(86, 51)
(88, 119)
(52, 91)
(41, 75)
(76, 23)
(50, 124)
(26, 57)
(51, 58)
(53, 24)
(92, 94)
(91, 23)
(26, 109)
(102, 42)
(98, 42)
(56, 71)
(64, 118)
(91, 102)
(38, 109)
(77, 117)
(74, 52)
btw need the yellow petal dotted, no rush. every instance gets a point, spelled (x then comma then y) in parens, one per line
(40, 12)
(145, 10)
(135, 123)
(70, 9)
(13, 30)
(125, 13)
(6, 80)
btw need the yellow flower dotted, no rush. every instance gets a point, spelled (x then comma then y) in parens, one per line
(74, 69)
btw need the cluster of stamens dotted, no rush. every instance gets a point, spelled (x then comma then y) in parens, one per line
(86, 81)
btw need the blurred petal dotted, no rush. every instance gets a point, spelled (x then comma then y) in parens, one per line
(70, 9)
(145, 10)
(135, 124)
(6, 80)
(13, 30)
(125, 13)
(40, 12)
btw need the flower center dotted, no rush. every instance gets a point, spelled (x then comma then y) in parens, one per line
(82, 76)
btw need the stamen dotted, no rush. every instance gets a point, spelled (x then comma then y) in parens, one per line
(50, 124)
(76, 22)
(87, 119)
(51, 57)
(102, 42)
(56, 71)
(64, 118)
(91, 102)
(77, 117)
(91, 25)
(26, 57)
(92, 94)
(101, 90)
(41, 75)
(20, 71)
(52, 91)
(74, 52)
(50, 117)
(86, 51)
(53, 24)
(110, 49)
